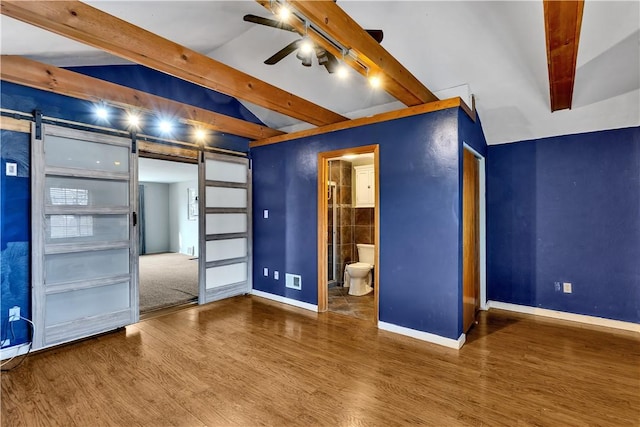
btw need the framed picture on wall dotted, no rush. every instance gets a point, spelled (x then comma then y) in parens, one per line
(192, 204)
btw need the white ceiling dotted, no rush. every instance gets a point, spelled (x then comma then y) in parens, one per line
(166, 172)
(496, 48)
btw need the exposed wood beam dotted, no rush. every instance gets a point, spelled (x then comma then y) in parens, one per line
(9, 123)
(86, 24)
(16, 69)
(363, 121)
(562, 21)
(335, 22)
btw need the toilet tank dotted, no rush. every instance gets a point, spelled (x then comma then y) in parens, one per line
(366, 253)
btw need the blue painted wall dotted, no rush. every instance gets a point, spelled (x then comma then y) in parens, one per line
(25, 99)
(567, 209)
(15, 207)
(419, 217)
(160, 84)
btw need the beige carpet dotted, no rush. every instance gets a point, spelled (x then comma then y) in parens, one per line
(167, 279)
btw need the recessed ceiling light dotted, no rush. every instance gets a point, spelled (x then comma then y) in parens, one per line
(133, 119)
(200, 134)
(101, 112)
(165, 126)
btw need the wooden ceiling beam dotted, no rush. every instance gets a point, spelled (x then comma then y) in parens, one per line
(26, 72)
(335, 22)
(562, 22)
(91, 26)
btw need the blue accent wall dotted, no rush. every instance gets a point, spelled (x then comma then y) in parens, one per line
(567, 209)
(419, 217)
(25, 99)
(166, 86)
(15, 221)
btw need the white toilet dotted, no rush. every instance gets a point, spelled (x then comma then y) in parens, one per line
(357, 276)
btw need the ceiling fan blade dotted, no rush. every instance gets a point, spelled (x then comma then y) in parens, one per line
(376, 34)
(282, 53)
(268, 22)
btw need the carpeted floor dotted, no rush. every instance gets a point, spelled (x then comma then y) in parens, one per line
(167, 279)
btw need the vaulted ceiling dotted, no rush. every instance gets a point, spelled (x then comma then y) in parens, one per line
(495, 50)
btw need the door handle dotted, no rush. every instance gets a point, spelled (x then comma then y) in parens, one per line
(134, 217)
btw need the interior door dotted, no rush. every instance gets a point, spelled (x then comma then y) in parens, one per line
(470, 239)
(83, 236)
(225, 226)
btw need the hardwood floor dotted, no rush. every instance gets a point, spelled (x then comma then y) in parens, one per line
(250, 361)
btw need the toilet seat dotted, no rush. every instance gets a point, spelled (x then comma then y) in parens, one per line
(360, 265)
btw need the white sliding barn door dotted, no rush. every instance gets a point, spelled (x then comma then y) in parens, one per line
(83, 238)
(225, 227)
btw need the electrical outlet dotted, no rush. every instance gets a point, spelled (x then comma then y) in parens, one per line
(265, 272)
(14, 313)
(11, 169)
(5, 343)
(566, 287)
(276, 275)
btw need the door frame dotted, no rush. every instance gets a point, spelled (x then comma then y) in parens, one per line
(482, 226)
(168, 158)
(323, 223)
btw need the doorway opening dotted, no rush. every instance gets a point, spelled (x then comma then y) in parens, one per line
(168, 233)
(348, 232)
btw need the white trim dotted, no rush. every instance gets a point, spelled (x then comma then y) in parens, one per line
(14, 351)
(424, 336)
(285, 300)
(563, 315)
(482, 189)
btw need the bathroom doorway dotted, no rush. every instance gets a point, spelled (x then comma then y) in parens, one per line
(348, 237)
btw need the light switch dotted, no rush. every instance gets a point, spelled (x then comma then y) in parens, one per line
(265, 272)
(276, 275)
(265, 214)
(12, 169)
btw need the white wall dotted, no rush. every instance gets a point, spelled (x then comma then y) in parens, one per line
(156, 217)
(183, 232)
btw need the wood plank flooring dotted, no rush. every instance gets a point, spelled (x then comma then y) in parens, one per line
(249, 361)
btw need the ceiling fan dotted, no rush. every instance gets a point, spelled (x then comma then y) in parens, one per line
(304, 53)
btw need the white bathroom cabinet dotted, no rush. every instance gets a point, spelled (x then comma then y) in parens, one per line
(365, 186)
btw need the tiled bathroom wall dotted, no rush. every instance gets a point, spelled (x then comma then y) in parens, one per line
(354, 225)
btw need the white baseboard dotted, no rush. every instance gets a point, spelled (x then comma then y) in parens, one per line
(285, 300)
(13, 351)
(563, 315)
(424, 336)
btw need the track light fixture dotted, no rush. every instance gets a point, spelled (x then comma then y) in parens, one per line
(306, 46)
